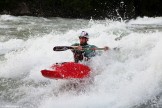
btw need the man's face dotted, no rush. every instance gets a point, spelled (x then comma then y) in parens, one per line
(83, 40)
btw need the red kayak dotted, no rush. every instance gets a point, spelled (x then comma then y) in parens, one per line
(67, 70)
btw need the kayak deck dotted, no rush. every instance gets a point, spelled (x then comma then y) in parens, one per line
(67, 70)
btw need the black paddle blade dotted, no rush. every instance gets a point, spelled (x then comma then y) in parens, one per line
(62, 48)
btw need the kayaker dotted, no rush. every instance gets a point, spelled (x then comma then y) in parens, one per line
(84, 51)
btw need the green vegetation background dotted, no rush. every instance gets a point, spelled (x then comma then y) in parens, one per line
(97, 9)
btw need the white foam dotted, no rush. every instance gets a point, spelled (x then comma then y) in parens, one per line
(122, 79)
(11, 45)
(9, 18)
(147, 20)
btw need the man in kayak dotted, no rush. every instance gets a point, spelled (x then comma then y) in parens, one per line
(84, 51)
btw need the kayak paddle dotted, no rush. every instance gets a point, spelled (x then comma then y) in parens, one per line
(64, 48)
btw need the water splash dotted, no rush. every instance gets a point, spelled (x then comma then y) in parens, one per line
(125, 78)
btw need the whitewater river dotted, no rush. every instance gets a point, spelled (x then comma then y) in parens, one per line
(130, 77)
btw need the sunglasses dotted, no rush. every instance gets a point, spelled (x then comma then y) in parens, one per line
(82, 37)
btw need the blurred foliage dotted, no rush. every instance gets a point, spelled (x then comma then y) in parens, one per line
(98, 9)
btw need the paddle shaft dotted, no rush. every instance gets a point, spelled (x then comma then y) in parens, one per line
(64, 48)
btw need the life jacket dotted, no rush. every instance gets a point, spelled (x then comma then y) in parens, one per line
(86, 54)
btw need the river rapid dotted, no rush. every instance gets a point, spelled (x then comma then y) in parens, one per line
(129, 77)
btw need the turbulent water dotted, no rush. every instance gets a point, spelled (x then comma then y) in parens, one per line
(129, 77)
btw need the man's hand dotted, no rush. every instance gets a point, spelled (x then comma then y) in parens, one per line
(106, 48)
(79, 48)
